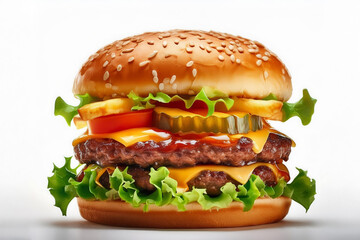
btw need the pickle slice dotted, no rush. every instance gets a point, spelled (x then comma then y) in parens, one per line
(232, 123)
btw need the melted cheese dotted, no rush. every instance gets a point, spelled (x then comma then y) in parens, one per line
(176, 112)
(127, 137)
(240, 174)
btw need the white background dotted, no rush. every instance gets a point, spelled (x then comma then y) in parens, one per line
(44, 43)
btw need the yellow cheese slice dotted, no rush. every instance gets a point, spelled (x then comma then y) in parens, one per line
(127, 137)
(240, 174)
(176, 112)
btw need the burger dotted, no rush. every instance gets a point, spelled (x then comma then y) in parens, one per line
(177, 134)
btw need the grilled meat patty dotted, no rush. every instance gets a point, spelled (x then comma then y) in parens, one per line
(212, 181)
(108, 152)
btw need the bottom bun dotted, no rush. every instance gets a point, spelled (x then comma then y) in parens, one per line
(122, 214)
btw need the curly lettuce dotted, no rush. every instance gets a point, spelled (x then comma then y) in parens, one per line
(64, 186)
(68, 112)
(304, 108)
(207, 95)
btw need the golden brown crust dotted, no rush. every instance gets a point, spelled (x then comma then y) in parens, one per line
(182, 62)
(119, 213)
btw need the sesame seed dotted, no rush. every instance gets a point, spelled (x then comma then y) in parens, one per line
(176, 41)
(228, 52)
(164, 44)
(173, 78)
(153, 54)
(166, 80)
(223, 44)
(113, 55)
(174, 86)
(212, 45)
(144, 63)
(161, 86)
(267, 54)
(108, 85)
(201, 47)
(221, 58)
(125, 43)
(119, 67)
(154, 73)
(182, 36)
(128, 50)
(283, 77)
(106, 76)
(221, 38)
(240, 49)
(189, 63)
(165, 35)
(251, 50)
(265, 58)
(114, 94)
(105, 63)
(194, 72)
(209, 41)
(232, 58)
(238, 61)
(258, 62)
(155, 79)
(201, 38)
(258, 55)
(189, 50)
(191, 44)
(283, 71)
(150, 42)
(208, 49)
(131, 59)
(231, 47)
(160, 37)
(266, 74)
(232, 42)
(220, 49)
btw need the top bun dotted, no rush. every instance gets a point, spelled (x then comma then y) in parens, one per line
(182, 62)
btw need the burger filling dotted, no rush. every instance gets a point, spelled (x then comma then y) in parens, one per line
(162, 149)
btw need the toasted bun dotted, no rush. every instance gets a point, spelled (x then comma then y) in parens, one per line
(182, 62)
(119, 213)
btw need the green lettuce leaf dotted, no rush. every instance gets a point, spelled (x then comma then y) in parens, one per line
(207, 202)
(165, 187)
(59, 187)
(207, 95)
(64, 187)
(68, 111)
(302, 189)
(304, 108)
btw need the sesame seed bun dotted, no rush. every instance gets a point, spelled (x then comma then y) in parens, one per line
(182, 62)
(119, 213)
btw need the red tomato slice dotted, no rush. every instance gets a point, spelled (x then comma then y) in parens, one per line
(122, 121)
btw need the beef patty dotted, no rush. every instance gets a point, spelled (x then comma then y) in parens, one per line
(108, 152)
(212, 181)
